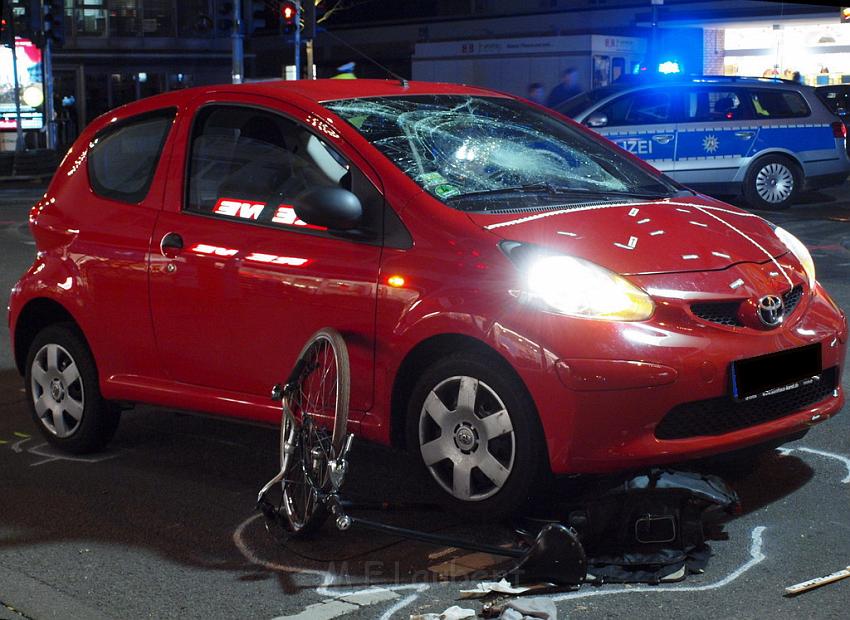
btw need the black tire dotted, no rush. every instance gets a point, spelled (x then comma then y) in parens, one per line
(772, 182)
(521, 451)
(63, 392)
(301, 507)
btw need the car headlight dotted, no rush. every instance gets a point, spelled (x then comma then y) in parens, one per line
(577, 287)
(799, 250)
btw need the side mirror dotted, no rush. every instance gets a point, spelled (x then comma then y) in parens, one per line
(597, 119)
(330, 207)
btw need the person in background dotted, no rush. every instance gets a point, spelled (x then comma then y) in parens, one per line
(536, 93)
(567, 88)
(346, 72)
(797, 77)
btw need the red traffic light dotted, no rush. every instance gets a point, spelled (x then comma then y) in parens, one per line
(287, 12)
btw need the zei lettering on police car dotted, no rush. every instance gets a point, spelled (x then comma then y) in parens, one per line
(637, 146)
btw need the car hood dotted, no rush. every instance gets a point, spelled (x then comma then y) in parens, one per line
(641, 237)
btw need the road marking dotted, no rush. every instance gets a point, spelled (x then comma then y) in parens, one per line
(830, 455)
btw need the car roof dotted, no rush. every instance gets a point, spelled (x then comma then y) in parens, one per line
(323, 90)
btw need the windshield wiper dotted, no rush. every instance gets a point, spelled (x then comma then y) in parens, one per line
(559, 190)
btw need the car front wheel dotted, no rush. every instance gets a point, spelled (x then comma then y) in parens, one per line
(64, 393)
(772, 182)
(475, 430)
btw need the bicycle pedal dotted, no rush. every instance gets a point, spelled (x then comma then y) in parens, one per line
(277, 392)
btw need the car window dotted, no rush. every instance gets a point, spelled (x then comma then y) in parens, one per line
(716, 104)
(779, 104)
(250, 164)
(647, 107)
(123, 158)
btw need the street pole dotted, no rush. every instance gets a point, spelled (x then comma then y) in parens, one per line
(19, 141)
(48, 95)
(238, 65)
(653, 55)
(310, 36)
(298, 40)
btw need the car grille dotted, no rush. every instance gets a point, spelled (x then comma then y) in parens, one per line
(726, 312)
(716, 416)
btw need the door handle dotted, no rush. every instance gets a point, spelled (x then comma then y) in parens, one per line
(170, 245)
(663, 138)
(744, 135)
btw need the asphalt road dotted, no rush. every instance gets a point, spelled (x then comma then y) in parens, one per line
(162, 524)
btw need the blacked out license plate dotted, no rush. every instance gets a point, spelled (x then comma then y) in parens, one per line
(770, 374)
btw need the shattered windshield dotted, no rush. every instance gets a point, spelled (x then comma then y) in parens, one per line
(484, 153)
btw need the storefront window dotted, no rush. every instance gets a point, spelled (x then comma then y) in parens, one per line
(812, 53)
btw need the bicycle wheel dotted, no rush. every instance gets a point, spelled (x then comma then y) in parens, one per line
(313, 429)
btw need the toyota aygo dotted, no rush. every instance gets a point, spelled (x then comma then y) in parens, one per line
(519, 296)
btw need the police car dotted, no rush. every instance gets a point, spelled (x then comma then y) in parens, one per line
(764, 138)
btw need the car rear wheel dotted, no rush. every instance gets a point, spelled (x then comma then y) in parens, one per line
(64, 393)
(772, 182)
(474, 429)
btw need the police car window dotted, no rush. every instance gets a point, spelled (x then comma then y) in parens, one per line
(779, 104)
(711, 105)
(123, 158)
(641, 108)
(249, 164)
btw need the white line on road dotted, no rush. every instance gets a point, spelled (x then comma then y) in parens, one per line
(756, 557)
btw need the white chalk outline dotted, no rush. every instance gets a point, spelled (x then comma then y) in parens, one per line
(757, 556)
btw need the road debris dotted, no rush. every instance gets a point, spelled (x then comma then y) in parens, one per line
(817, 582)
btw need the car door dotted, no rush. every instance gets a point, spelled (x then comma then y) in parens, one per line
(115, 191)
(716, 135)
(238, 282)
(642, 122)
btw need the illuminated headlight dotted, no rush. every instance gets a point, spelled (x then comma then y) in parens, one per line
(577, 287)
(799, 250)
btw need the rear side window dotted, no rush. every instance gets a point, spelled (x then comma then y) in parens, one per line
(647, 107)
(779, 104)
(716, 104)
(123, 158)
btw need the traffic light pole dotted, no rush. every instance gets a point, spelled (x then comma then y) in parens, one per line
(19, 140)
(298, 40)
(48, 95)
(238, 65)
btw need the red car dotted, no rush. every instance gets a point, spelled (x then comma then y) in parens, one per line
(519, 297)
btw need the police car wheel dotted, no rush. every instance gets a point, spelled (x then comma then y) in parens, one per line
(772, 182)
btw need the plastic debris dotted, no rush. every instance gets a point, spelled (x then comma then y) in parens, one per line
(452, 613)
(485, 588)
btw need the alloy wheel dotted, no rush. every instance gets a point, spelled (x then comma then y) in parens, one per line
(57, 390)
(466, 438)
(774, 183)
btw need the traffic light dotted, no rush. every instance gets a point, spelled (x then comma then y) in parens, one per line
(54, 21)
(260, 18)
(288, 15)
(7, 26)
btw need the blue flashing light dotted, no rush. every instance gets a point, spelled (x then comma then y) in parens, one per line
(668, 67)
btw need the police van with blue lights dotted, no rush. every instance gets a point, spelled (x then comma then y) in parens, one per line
(766, 139)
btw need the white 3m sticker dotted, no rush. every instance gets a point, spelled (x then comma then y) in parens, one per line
(238, 208)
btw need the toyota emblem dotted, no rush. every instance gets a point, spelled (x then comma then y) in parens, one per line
(771, 310)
